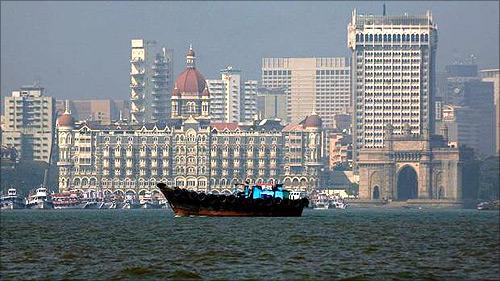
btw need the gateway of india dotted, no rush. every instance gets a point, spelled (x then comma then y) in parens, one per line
(188, 150)
(415, 169)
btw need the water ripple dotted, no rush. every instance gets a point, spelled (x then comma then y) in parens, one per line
(356, 244)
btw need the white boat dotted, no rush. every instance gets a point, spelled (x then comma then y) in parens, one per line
(320, 205)
(12, 200)
(149, 202)
(338, 203)
(40, 200)
(131, 202)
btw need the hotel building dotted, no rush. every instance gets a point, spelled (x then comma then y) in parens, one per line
(393, 61)
(189, 150)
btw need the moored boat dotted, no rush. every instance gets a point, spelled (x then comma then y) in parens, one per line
(150, 202)
(489, 205)
(253, 202)
(67, 200)
(40, 200)
(12, 200)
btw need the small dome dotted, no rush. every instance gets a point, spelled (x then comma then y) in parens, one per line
(313, 120)
(190, 52)
(65, 120)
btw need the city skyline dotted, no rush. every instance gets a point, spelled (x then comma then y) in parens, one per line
(56, 64)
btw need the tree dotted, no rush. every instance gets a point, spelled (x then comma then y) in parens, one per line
(489, 180)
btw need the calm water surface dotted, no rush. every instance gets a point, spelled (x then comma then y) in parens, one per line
(355, 244)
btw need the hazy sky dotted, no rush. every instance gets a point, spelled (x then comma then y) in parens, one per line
(82, 49)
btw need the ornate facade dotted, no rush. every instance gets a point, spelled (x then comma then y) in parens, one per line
(188, 151)
(412, 167)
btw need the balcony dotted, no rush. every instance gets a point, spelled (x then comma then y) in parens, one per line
(136, 60)
(136, 85)
(138, 73)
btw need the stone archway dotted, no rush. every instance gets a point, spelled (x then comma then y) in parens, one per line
(407, 184)
(376, 193)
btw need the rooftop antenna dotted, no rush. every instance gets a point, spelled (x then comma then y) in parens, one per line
(67, 111)
(383, 12)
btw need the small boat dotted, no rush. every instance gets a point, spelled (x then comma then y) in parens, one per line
(40, 200)
(149, 202)
(12, 200)
(489, 205)
(321, 205)
(320, 202)
(254, 201)
(67, 200)
(338, 203)
(131, 202)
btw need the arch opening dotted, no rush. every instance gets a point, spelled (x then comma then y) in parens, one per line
(376, 192)
(407, 186)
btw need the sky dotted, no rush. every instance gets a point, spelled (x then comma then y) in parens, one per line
(81, 50)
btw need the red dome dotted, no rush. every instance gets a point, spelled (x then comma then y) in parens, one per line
(190, 82)
(65, 120)
(313, 120)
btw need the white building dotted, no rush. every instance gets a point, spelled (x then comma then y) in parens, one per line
(151, 74)
(311, 84)
(232, 99)
(393, 62)
(29, 120)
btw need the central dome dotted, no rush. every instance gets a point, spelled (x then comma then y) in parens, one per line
(190, 82)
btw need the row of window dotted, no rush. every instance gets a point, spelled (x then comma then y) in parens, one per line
(392, 38)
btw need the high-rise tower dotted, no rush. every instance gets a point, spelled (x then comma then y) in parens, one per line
(150, 81)
(393, 62)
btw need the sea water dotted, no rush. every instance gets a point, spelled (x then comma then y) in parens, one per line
(352, 244)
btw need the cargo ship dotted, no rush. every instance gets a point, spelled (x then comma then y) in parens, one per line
(254, 201)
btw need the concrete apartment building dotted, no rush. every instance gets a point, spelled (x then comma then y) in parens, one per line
(29, 122)
(232, 98)
(271, 103)
(103, 111)
(151, 74)
(493, 75)
(311, 84)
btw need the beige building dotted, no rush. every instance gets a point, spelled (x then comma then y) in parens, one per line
(311, 84)
(271, 103)
(493, 75)
(339, 150)
(102, 111)
(415, 168)
(188, 151)
(393, 66)
(29, 119)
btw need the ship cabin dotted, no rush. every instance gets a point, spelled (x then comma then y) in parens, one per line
(265, 191)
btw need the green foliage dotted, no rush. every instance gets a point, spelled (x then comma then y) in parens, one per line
(489, 180)
(27, 176)
(354, 189)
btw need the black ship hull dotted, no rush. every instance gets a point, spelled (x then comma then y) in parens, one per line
(190, 203)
